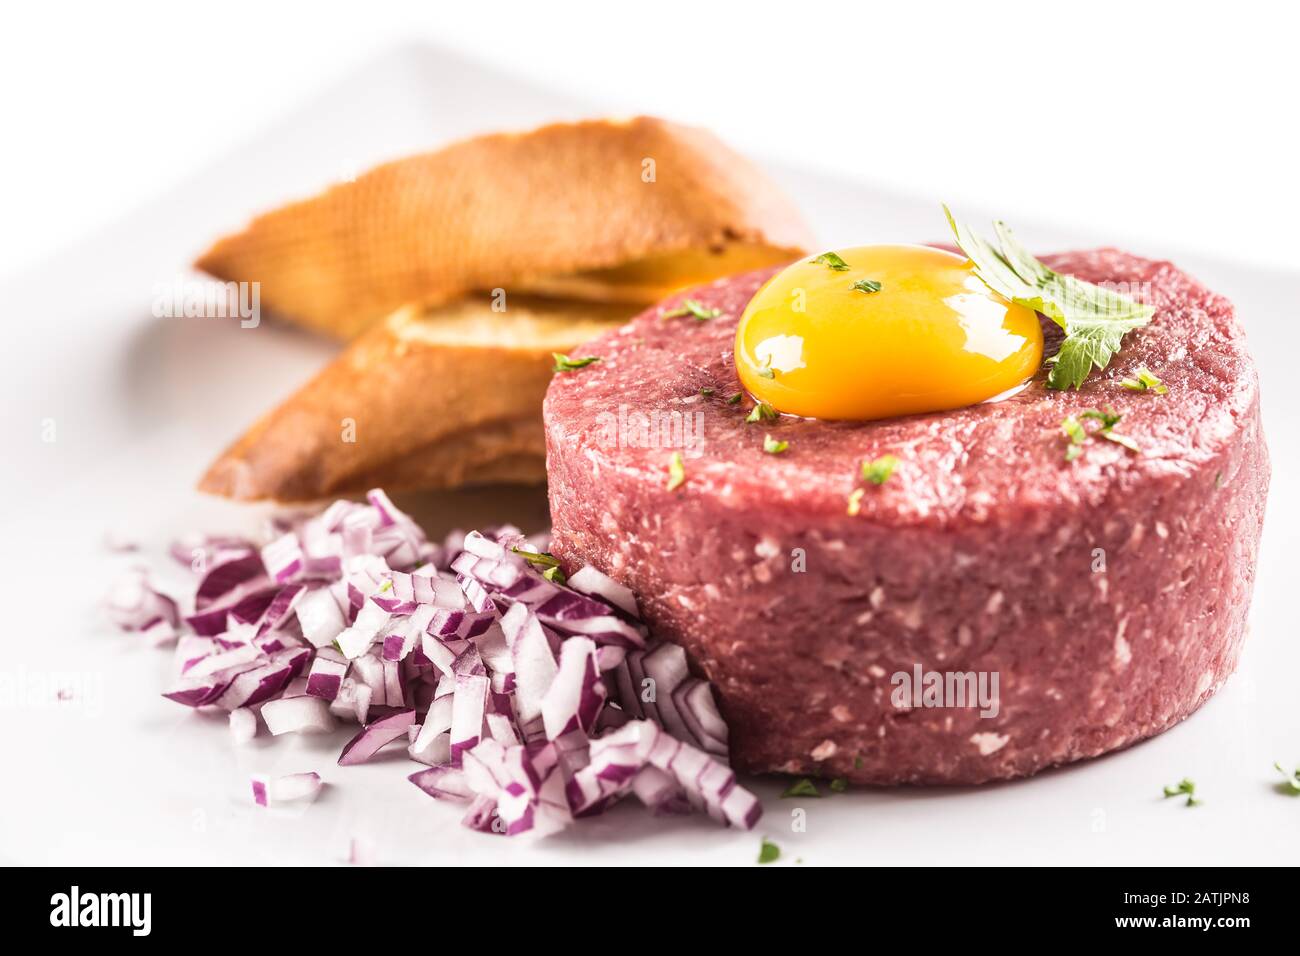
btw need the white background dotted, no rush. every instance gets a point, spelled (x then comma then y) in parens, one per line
(1165, 132)
(1150, 120)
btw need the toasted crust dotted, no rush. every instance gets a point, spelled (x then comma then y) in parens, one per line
(428, 399)
(564, 209)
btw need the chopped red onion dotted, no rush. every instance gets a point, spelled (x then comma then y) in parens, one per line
(296, 715)
(375, 736)
(535, 702)
(286, 789)
(243, 725)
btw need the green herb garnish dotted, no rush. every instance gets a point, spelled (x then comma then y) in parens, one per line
(1073, 430)
(554, 575)
(386, 586)
(735, 399)
(768, 852)
(1094, 319)
(539, 558)
(839, 785)
(706, 392)
(774, 447)
(1184, 786)
(762, 412)
(831, 261)
(867, 285)
(1145, 382)
(879, 471)
(691, 307)
(1108, 418)
(1292, 778)
(676, 471)
(802, 788)
(565, 364)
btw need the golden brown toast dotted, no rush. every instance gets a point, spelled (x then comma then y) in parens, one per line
(602, 210)
(427, 399)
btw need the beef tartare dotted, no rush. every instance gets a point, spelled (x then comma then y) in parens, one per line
(1107, 587)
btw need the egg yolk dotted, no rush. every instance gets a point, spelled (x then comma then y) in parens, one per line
(933, 337)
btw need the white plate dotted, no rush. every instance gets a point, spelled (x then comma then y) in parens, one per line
(138, 406)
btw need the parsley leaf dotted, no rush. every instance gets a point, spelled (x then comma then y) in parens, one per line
(774, 447)
(801, 788)
(676, 471)
(831, 261)
(554, 575)
(691, 307)
(1145, 382)
(768, 852)
(867, 285)
(565, 364)
(706, 392)
(1095, 319)
(879, 471)
(839, 785)
(762, 412)
(734, 399)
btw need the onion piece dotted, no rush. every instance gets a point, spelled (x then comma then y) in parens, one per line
(590, 581)
(375, 736)
(243, 725)
(286, 789)
(290, 715)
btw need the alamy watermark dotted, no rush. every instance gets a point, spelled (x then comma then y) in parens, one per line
(654, 428)
(199, 299)
(75, 908)
(917, 688)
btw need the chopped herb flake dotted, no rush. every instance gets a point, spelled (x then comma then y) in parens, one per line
(879, 471)
(735, 399)
(1291, 785)
(839, 784)
(691, 307)
(676, 471)
(768, 852)
(706, 392)
(801, 788)
(1119, 439)
(1184, 786)
(565, 364)
(539, 558)
(1095, 319)
(1108, 418)
(831, 261)
(867, 285)
(774, 447)
(1145, 382)
(762, 412)
(554, 575)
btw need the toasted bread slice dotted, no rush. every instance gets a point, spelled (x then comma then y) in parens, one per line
(605, 211)
(429, 399)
